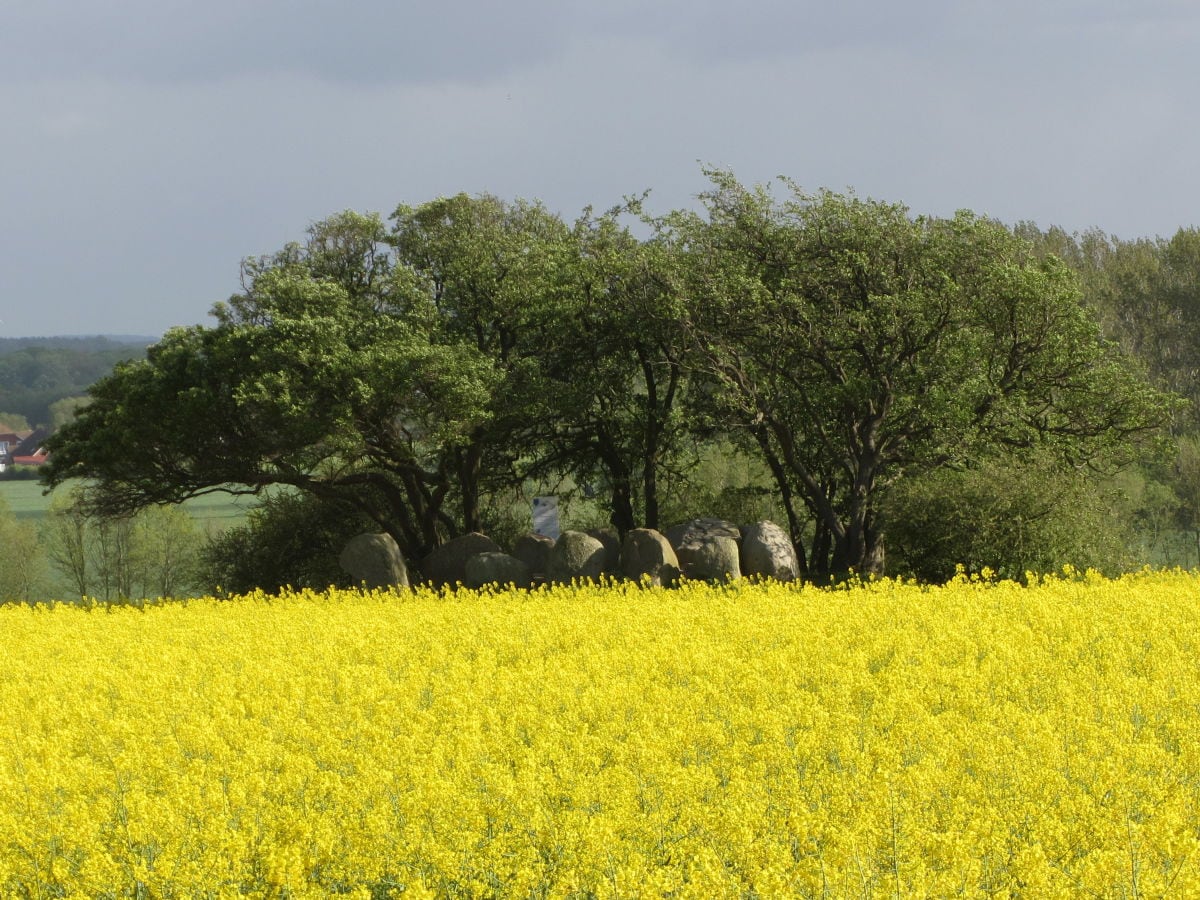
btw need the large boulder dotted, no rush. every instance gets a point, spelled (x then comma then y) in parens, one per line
(698, 528)
(374, 561)
(648, 554)
(496, 568)
(612, 548)
(576, 555)
(710, 558)
(768, 552)
(534, 550)
(447, 565)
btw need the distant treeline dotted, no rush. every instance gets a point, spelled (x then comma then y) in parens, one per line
(37, 372)
(81, 343)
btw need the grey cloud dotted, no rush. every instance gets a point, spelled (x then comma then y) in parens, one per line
(147, 151)
(374, 41)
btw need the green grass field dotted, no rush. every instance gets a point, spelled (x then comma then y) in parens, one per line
(218, 511)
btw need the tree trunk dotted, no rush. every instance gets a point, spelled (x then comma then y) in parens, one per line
(650, 491)
(656, 417)
(622, 517)
(860, 550)
(622, 514)
(470, 465)
(820, 564)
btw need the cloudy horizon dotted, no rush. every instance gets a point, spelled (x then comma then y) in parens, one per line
(148, 151)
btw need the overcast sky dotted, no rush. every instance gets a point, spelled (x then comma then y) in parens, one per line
(149, 145)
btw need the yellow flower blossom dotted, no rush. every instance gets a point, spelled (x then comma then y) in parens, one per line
(752, 740)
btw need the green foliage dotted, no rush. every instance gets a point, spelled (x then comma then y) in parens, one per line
(1145, 294)
(424, 373)
(22, 565)
(77, 344)
(167, 550)
(153, 553)
(13, 422)
(1148, 507)
(41, 371)
(1187, 476)
(64, 410)
(290, 539)
(614, 357)
(726, 482)
(1005, 515)
(345, 369)
(859, 346)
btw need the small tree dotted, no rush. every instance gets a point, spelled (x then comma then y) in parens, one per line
(22, 562)
(114, 556)
(167, 546)
(65, 535)
(152, 553)
(858, 346)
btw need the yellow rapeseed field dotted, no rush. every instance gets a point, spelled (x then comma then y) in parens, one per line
(976, 740)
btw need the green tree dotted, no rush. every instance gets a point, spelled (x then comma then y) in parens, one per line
(167, 546)
(1187, 481)
(858, 345)
(485, 270)
(22, 562)
(152, 553)
(94, 553)
(40, 371)
(113, 558)
(64, 535)
(725, 481)
(13, 422)
(613, 355)
(64, 410)
(1146, 294)
(359, 367)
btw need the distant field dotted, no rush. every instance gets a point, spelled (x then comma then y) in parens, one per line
(26, 501)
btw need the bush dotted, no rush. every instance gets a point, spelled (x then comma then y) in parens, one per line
(1010, 517)
(291, 539)
(21, 473)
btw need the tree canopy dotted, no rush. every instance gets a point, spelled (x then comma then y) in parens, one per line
(409, 371)
(856, 344)
(330, 372)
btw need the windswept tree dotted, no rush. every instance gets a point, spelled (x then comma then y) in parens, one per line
(857, 345)
(485, 273)
(613, 357)
(349, 367)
